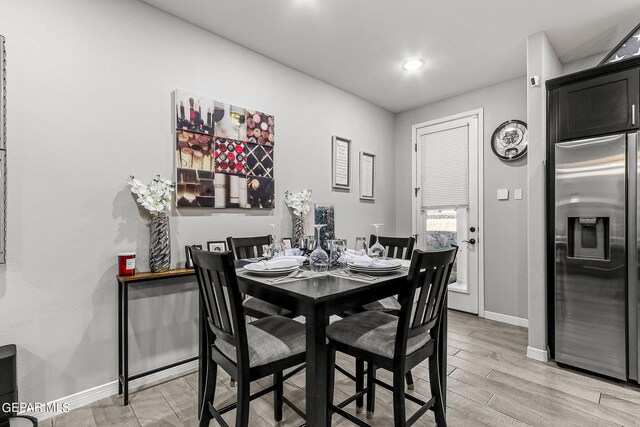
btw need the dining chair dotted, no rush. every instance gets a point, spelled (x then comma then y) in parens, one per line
(9, 390)
(397, 343)
(251, 247)
(246, 351)
(396, 247)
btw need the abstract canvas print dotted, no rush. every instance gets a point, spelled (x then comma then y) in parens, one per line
(216, 166)
(259, 160)
(261, 193)
(195, 189)
(194, 150)
(230, 156)
(230, 121)
(260, 128)
(194, 112)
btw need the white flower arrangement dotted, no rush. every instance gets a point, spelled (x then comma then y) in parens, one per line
(298, 202)
(155, 196)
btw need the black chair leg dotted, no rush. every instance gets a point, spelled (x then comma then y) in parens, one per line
(331, 380)
(242, 410)
(409, 378)
(277, 397)
(209, 393)
(359, 384)
(435, 381)
(371, 389)
(399, 412)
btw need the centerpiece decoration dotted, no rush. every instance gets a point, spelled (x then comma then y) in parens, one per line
(299, 205)
(155, 197)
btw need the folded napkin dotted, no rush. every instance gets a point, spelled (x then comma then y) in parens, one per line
(280, 262)
(293, 252)
(358, 260)
(299, 259)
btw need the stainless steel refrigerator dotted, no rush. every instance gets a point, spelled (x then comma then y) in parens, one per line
(596, 254)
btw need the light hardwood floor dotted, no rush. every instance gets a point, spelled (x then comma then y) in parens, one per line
(491, 383)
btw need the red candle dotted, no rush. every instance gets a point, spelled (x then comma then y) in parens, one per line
(126, 263)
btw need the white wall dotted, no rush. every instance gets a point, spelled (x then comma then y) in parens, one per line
(89, 90)
(505, 245)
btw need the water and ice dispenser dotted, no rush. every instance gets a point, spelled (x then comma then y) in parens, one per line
(588, 237)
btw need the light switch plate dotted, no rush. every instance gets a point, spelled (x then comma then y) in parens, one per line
(503, 194)
(517, 193)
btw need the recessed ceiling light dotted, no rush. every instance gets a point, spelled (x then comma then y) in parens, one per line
(413, 64)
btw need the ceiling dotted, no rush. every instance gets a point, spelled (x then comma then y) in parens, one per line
(359, 45)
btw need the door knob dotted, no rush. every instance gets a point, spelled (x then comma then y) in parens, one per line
(472, 229)
(470, 241)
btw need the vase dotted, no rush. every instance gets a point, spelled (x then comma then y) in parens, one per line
(159, 244)
(298, 230)
(324, 214)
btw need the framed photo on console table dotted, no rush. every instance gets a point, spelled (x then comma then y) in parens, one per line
(367, 176)
(217, 246)
(340, 163)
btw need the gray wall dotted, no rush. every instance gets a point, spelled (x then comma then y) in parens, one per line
(543, 62)
(505, 245)
(89, 90)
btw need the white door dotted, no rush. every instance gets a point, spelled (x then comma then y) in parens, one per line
(447, 199)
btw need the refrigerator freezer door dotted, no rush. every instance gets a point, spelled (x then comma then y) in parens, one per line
(590, 292)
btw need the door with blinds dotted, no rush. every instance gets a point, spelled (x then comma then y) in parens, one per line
(447, 201)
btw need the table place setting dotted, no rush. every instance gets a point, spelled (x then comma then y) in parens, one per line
(362, 267)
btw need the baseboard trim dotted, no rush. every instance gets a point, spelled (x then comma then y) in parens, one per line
(537, 354)
(103, 391)
(511, 320)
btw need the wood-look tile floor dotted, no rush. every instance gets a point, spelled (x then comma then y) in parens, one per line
(490, 383)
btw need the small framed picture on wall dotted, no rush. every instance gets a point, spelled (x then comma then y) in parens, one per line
(367, 176)
(189, 263)
(340, 163)
(217, 246)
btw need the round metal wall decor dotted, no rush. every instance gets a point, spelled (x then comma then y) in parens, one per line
(509, 141)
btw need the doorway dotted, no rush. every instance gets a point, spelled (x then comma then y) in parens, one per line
(447, 202)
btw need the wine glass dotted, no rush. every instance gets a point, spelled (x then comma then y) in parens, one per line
(377, 250)
(319, 260)
(361, 246)
(277, 249)
(218, 114)
(274, 240)
(337, 256)
(237, 117)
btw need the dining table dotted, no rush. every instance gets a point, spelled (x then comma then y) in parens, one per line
(317, 297)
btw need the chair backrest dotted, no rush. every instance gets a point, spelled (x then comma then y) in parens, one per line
(248, 247)
(427, 287)
(396, 247)
(221, 300)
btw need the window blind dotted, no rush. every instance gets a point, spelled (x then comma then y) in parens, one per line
(444, 167)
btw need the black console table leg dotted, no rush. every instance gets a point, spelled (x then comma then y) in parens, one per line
(125, 344)
(120, 285)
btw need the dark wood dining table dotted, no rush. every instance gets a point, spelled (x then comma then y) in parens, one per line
(317, 299)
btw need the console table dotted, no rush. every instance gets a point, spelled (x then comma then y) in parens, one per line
(123, 325)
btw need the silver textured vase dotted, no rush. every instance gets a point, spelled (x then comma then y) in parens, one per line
(159, 244)
(298, 230)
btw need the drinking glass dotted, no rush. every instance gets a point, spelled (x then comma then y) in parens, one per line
(361, 246)
(337, 256)
(277, 249)
(377, 250)
(218, 114)
(318, 260)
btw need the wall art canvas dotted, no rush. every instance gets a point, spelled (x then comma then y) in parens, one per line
(194, 151)
(260, 128)
(260, 160)
(261, 192)
(194, 112)
(232, 121)
(216, 165)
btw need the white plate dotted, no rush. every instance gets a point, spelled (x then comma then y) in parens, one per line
(272, 272)
(373, 272)
(375, 267)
